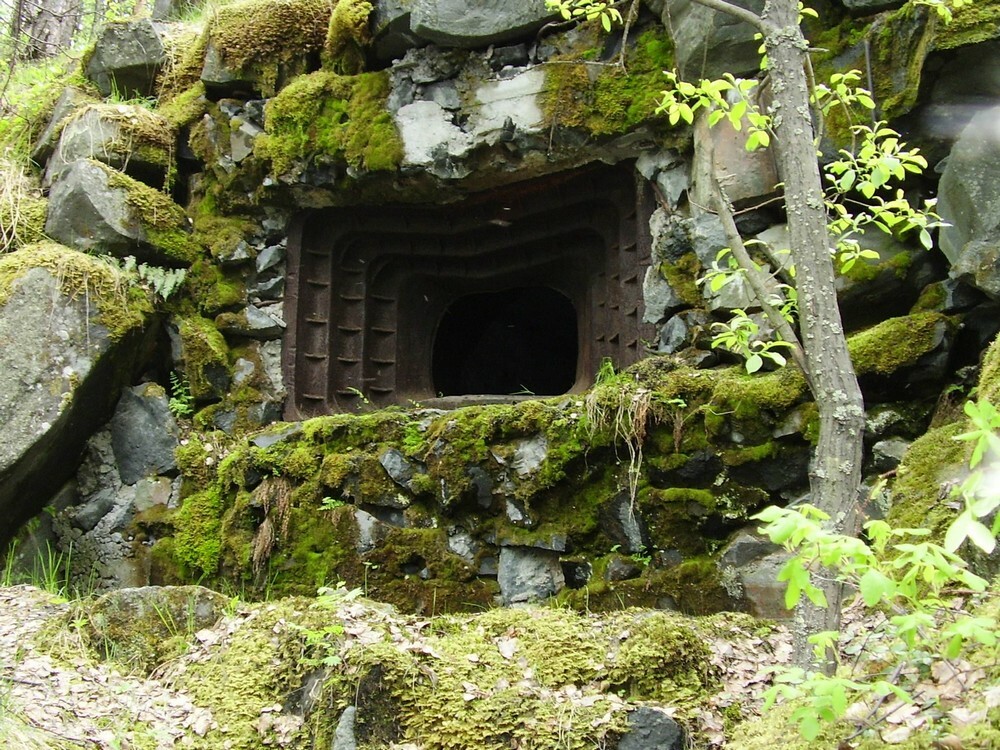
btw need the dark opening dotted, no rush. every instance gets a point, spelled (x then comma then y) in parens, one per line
(520, 340)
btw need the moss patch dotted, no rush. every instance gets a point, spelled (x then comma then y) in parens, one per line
(896, 343)
(269, 41)
(206, 356)
(605, 99)
(348, 37)
(332, 118)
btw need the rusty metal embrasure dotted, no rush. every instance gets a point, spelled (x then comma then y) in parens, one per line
(373, 292)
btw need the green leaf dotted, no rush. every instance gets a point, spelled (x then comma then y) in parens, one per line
(754, 363)
(875, 586)
(980, 536)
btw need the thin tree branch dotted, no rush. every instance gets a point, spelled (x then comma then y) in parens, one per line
(737, 12)
(757, 281)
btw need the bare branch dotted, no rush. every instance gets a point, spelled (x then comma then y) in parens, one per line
(737, 12)
(756, 280)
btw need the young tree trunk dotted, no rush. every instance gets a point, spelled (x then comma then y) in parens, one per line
(43, 28)
(835, 474)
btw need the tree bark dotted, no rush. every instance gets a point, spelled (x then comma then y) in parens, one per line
(44, 28)
(835, 474)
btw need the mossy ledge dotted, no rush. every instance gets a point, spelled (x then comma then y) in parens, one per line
(301, 505)
(121, 305)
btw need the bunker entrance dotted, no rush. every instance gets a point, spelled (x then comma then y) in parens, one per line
(524, 289)
(519, 341)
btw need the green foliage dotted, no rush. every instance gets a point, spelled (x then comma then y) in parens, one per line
(327, 117)
(161, 281)
(587, 10)
(897, 570)
(181, 402)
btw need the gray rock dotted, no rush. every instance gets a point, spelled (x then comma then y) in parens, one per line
(651, 728)
(392, 36)
(62, 372)
(432, 140)
(152, 492)
(707, 237)
(276, 435)
(622, 569)
(443, 93)
(687, 328)
(116, 136)
(745, 546)
(87, 213)
(886, 454)
(508, 103)
(660, 298)
(461, 543)
(87, 515)
(267, 290)
(270, 257)
(399, 468)
(127, 58)
(143, 433)
(242, 135)
(867, 7)
(343, 737)
(526, 574)
(219, 79)
(763, 593)
(969, 200)
(720, 155)
(371, 531)
(71, 100)
(477, 23)
(623, 525)
(529, 455)
(270, 358)
(254, 322)
(709, 43)
(243, 371)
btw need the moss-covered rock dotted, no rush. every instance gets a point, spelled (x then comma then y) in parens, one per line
(326, 119)
(267, 42)
(604, 98)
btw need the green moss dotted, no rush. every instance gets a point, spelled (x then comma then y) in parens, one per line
(931, 460)
(662, 659)
(681, 274)
(895, 343)
(607, 100)
(221, 235)
(971, 24)
(269, 41)
(333, 118)
(163, 222)
(212, 289)
(186, 107)
(898, 265)
(348, 37)
(198, 531)
(206, 356)
(931, 298)
(121, 305)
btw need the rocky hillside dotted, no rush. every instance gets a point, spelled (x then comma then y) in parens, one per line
(411, 299)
